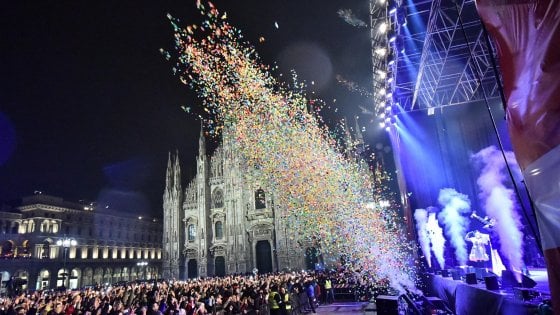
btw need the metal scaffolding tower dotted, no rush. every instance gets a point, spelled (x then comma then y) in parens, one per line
(379, 49)
(432, 54)
(454, 65)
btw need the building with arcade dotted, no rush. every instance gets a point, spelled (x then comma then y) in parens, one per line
(48, 242)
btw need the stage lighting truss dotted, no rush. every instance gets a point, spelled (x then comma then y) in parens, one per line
(386, 18)
(446, 63)
(380, 27)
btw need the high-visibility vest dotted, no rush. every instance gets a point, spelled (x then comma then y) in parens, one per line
(272, 301)
(287, 301)
(328, 284)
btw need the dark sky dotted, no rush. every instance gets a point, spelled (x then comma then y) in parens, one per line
(89, 108)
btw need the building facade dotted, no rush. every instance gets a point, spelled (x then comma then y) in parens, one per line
(221, 224)
(48, 242)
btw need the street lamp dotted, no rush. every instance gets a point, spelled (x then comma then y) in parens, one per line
(142, 265)
(65, 243)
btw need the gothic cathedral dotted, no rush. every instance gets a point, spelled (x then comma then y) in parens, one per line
(221, 224)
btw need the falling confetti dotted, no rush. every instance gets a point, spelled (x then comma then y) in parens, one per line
(352, 86)
(348, 16)
(322, 191)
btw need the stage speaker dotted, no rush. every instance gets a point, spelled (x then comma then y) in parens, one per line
(481, 273)
(445, 273)
(387, 304)
(491, 283)
(509, 280)
(456, 274)
(470, 278)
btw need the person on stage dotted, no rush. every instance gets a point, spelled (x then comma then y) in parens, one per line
(478, 253)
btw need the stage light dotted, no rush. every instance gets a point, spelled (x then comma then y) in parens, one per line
(382, 1)
(382, 92)
(383, 27)
(381, 51)
(391, 36)
(391, 59)
(392, 6)
(399, 44)
(390, 80)
(388, 128)
(382, 124)
(382, 115)
(382, 74)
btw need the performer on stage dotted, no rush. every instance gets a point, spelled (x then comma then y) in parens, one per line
(496, 260)
(478, 253)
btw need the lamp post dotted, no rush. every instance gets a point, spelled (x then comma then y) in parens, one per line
(142, 265)
(65, 243)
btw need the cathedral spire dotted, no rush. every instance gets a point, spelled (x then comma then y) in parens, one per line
(168, 175)
(201, 141)
(360, 144)
(177, 174)
(172, 201)
(347, 136)
(358, 132)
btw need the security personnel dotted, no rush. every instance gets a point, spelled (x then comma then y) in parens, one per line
(286, 306)
(330, 291)
(274, 301)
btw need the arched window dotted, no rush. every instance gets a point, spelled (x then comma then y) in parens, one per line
(260, 199)
(219, 230)
(218, 198)
(192, 232)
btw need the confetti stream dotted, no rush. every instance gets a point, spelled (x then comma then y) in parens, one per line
(321, 190)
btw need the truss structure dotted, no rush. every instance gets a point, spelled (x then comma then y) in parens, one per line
(447, 60)
(379, 51)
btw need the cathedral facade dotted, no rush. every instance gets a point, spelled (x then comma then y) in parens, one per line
(221, 224)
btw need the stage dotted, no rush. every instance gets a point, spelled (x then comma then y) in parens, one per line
(464, 299)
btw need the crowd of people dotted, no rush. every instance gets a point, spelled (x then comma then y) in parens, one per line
(278, 293)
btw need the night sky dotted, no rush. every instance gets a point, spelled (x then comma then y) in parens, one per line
(89, 108)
